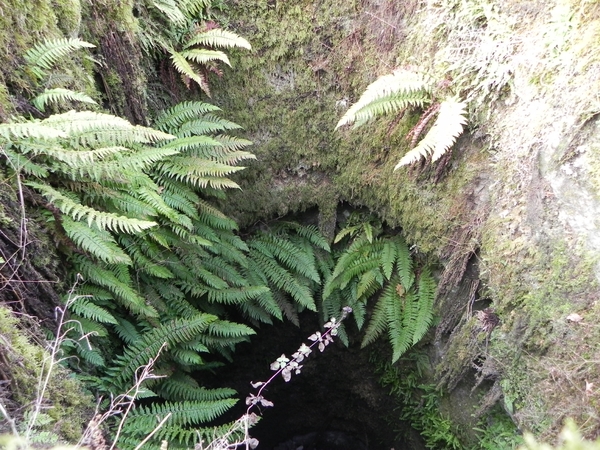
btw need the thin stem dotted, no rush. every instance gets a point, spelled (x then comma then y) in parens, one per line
(9, 419)
(345, 311)
(147, 438)
(50, 361)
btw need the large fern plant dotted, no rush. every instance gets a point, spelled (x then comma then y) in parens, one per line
(129, 204)
(376, 276)
(403, 89)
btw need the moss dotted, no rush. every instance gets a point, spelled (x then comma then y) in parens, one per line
(68, 13)
(538, 343)
(65, 402)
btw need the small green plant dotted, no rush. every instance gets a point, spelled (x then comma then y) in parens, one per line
(420, 406)
(497, 431)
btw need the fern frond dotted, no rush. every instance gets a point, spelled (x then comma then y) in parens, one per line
(37, 130)
(426, 297)
(401, 323)
(90, 356)
(388, 94)
(191, 169)
(84, 326)
(378, 321)
(236, 295)
(121, 290)
(369, 283)
(126, 331)
(184, 67)
(186, 358)
(308, 232)
(442, 135)
(193, 8)
(186, 143)
(144, 419)
(182, 387)
(142, 262)
(170, 9)
(44, 55)
(388, 257)
(97, 242)
(218, 38)
(60, 95)
(229, 330)
(77, 211)
(20, 163)
(202, 56)
(147, 347)
(283, 280)
(232, 142)
(73, 158)
(204, 125)
(404, 263)
(288, 254)
(171, 119)
(85, 125)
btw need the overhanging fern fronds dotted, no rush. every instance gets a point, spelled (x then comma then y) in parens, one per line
(426, 300)
(388, 94)
(103, 220)
(33, 129)
(173, 332)
(87, 123)
(85, 308)
(43, 56)
(381, 270)
(218, 38)
(182, 387)
(100, 244)
(442, 135)
(170, 9)
(60, 95)
(402, 89)
(171, 119)
(143, 420)
(186, 70)
(202, 56)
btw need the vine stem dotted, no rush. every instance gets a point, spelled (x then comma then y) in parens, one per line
(345, 311)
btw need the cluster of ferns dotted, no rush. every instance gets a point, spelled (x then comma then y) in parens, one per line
(157, 269)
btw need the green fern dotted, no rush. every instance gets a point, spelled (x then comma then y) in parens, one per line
(379, 270)
(85, 308)
(170, 9)
(387, 95)
(183, 66)
(100, 244)
(45, 55)
(218, 38)
(183, 415)
(59, 95)
(149, 344)
(183, 112)
(77, 211)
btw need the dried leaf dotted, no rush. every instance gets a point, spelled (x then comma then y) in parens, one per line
(574, 317)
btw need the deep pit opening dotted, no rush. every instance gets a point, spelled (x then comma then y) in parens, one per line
(336, 402)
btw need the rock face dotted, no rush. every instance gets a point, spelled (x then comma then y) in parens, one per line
(512, 216)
